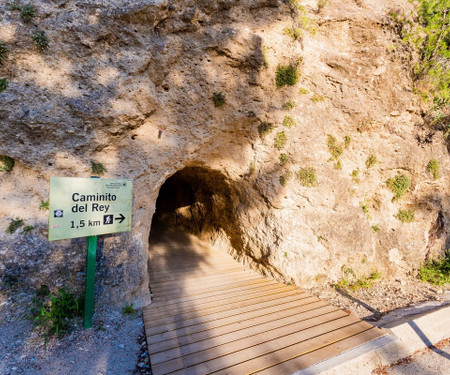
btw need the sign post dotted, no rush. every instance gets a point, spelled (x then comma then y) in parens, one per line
(84, 207)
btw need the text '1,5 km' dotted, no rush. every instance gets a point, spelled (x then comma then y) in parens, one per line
(81, 207)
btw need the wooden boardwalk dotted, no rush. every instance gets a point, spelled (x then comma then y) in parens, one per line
(210, 315)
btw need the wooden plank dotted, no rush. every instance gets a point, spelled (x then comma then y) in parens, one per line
(262, 300)
(309, 358)
(202, 320)
(269, 353)
(200, 274)
(210, 265)
(244, 336)
(217, 295)
(177, 315)
(246, 344)
(259, 310)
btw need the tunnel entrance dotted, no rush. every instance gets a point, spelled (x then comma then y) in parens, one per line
(199, 201)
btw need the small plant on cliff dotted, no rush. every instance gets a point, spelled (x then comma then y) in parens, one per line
(355, 176)
(290, 104)
(283, 159)
(6, 163)
(27, 12)
(15, 5)
(28, 229)
(434, 168)
(128, 309)
(287, 75)
(55, 314)
(371, 161)
(295, 33)
(280, 140)
(285, 177)
(265, 57)
(347, 141)
(288, 121)
(405, 216)
(218, 99)
(44, 206)
(350, 281)
(437, 271)
(317, 98)
(303, 91)
(14, 225)
(322, 4)
(3, 84)
(3, 51)
(98, 168)
(399, 185)
(336, 150)
(264, 128)
(375, 228)
(41, 40)
(307, 177)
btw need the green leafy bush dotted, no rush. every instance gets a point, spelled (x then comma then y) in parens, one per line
(355, 176)
(98, 168)
(289, 105)
(295, 33)
(3, 51)
(285, 177)
(14, 225)
(28, 229)
(264, 128)
(287, 75)
(44, 206)
(437, 271)
(405, 216)
(41, 40)
(399, 185)
(375, 228)
(288, 121)
(6, 163)
(347, 141)
(283, 159)
(318, 98)
(307, 177)
(371, 161)
(128, 309)
(350, 281)
(280, 140)
(303, 91)
(336, 150)
(27, 12)
(3, 84)
(218, 99)
(322, 4)
(56, 314)
(434, 168)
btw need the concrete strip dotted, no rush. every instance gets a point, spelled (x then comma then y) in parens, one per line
(406, 335)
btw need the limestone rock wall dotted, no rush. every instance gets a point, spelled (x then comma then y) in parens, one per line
(130, 84)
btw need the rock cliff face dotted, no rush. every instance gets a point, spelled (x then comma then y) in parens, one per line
(130, 84)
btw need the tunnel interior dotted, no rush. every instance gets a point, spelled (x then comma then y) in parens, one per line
(199, 201)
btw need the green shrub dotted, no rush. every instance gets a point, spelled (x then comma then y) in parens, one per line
(218, 99)
(28, 229)
(355, 176)
(318, 98)
(27, 12)
(294, 33)
(322, 4)
(265, 51)
(289, 105)
(264, 128)
(3, 84)
(55, 314)
(437, 271)
(336, 150)
(434, 168)
(303, 91)
(375, 228)
(14, 225)
(350, 281)
(128, 309)
(3, 51)
(288, 121)
(15, 5)
(286, 75)
(365, 207)
(399, 185)
(285, 177)
(307, 177)
(98, 168)
(44, 205)
(371, 161)
(405, 216)
(347, 141)
(6, 163)
(283, 159)
(41, 40)
(280, 140)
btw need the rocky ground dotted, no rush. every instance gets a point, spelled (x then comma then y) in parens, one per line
(116, 343)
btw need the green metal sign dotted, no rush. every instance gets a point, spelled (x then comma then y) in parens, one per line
(82, 207)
